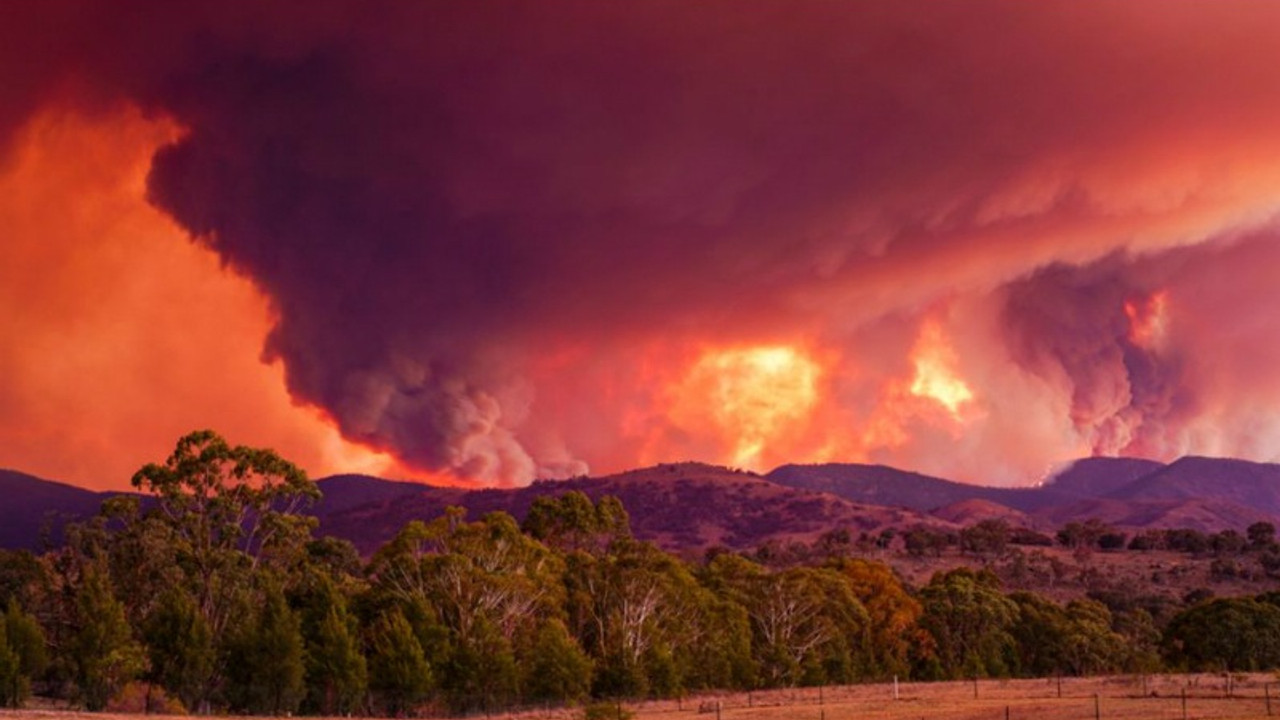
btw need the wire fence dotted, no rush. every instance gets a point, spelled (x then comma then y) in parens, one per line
(1129, 697)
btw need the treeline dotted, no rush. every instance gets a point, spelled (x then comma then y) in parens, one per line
(216, 596)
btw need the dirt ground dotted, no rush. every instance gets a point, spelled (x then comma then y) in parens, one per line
(1130, 697)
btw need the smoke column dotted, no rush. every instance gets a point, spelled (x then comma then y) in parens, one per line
(511, 240)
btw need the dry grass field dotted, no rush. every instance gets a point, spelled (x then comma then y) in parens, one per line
(1129, 697)
(1152, 697)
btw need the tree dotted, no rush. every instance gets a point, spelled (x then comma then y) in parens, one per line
(226, 508)
(337, 673)
(1262, 535)
(181, 649)
(399, 675)
(893, 614)
(1092, 646)
(1041, 632)
(27, 640)
(1077, 535)
(986, 538)
(1233, 634)
(103, 652)
(969, 619)
(267, 665)
(807, 626)
(572, 522)
(556, 670)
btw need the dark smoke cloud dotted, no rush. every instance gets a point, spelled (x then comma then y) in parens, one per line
(436, 196)
(1070, 325)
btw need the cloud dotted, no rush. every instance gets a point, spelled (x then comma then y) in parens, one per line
(493, 236)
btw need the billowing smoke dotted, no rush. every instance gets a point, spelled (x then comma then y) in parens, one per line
(1097, 332)
(495, 235)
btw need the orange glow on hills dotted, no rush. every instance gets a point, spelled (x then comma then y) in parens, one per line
(122, 335)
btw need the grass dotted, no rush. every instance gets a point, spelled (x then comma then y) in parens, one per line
(1130, 697)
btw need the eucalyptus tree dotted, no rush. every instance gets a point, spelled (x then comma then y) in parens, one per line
(969, 620)
(486, 583)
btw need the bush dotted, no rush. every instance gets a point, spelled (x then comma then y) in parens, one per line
(142, 698)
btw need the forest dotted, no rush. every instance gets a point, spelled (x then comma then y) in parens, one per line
(210, 592)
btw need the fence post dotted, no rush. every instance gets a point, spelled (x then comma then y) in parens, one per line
(1184, 703)
(1097, 707)
(1266, 688)
(975, 687)
(1006, 712)
(895, 687)
(717, 710)
(1059, 686)
(820, 702)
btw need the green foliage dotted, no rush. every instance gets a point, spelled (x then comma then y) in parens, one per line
(22, 655)
(181, 648)
(104, 653)
(556, 669)
(337, 674)
(14, 686)
(572, 522)
(969, 620)
(398, 672)
(267, 663)
(986, 538)
(1232, 634)
(21, 577)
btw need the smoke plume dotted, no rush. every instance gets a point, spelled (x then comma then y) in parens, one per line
(506, 240)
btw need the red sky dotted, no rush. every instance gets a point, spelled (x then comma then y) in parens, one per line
(497, 241)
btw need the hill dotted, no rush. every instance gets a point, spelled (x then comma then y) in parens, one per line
(1098, 476)
(34, 509)
(1238, 482)
(686, 507)
(689, 507)
(883, 485)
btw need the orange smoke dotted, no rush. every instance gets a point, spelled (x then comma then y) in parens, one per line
(1148, 319)
(935, 395)
(121, 335)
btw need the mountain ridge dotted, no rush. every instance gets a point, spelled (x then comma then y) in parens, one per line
(692, 506)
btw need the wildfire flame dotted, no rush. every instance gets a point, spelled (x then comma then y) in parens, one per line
(936, 377)
(754, 396)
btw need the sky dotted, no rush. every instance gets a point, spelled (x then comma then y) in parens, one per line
(488, 242)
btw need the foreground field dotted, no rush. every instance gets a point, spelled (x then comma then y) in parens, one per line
(1145, 697)
(1130, 697)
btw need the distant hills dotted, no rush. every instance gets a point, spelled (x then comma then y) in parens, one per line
(688, 507)
(33, 510)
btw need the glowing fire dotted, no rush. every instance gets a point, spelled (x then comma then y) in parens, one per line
(754, 396)
(936, 376)
(1148, 319)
